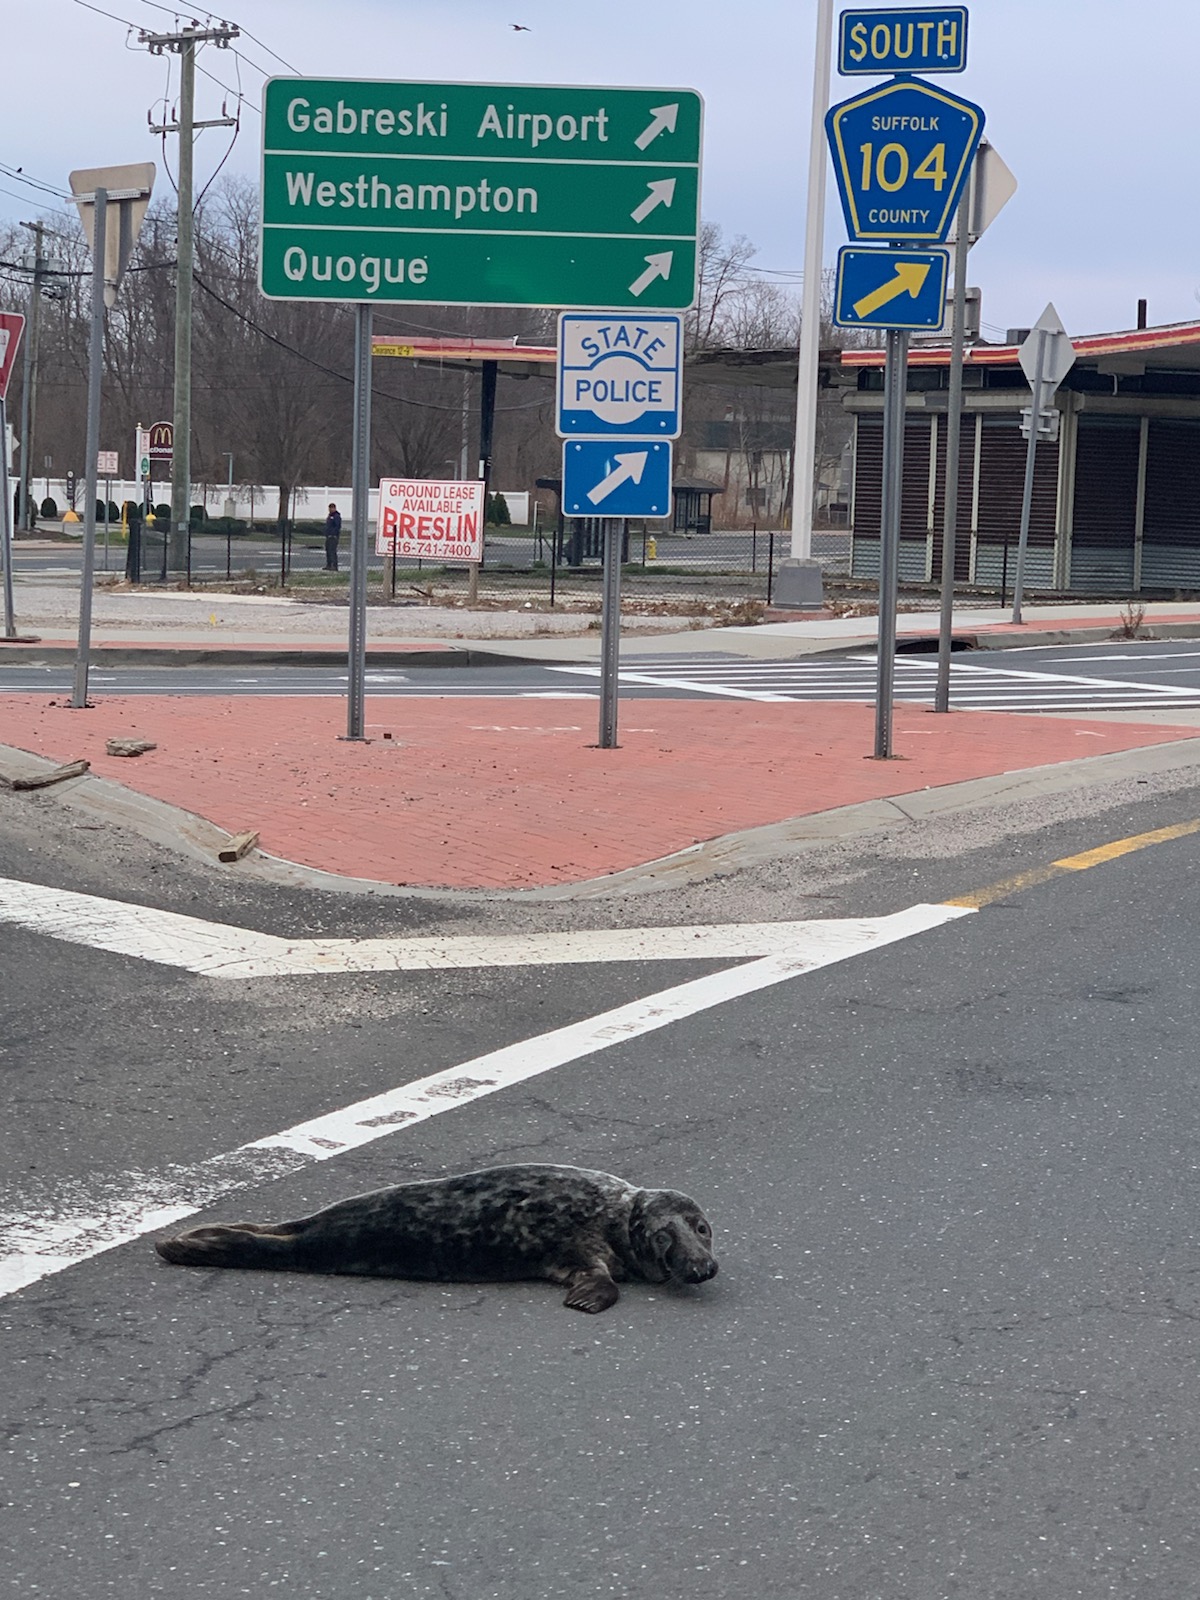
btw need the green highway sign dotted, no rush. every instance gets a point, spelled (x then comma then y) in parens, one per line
(480, 194)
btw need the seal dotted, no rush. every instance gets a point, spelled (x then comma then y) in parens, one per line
(568, 1225)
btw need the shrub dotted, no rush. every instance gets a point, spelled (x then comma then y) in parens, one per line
(497, 511)
(197, 516)
(162, 513)
(114, 511)
(50, 507)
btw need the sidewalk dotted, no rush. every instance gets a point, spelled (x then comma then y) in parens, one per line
(180, 625)
(512, 793)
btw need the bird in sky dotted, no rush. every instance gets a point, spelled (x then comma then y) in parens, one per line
(519, 27)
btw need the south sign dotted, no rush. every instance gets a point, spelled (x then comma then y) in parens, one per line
(901, 154)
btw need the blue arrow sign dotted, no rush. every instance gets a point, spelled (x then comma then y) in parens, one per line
(621, 478)
(903, 41)
(901, 154)
(619, 375)
(890, 288)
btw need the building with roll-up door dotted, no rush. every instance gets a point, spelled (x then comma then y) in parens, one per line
(1116, 498)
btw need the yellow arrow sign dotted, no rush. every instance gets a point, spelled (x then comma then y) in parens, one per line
(910, 278)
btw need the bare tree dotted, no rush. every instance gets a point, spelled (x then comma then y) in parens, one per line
(722, 273)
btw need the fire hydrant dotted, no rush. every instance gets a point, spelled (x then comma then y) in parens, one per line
(651, 549)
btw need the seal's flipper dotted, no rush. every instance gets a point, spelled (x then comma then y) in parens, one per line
(247, 1244)
(592, 1291)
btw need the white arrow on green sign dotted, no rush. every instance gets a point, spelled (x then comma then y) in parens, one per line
(480, 194)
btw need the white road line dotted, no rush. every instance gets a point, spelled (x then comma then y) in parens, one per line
(1126, 655)
(218, 950)
(1050, 680)
(657, 682)
(34, 1246)
(995, 689)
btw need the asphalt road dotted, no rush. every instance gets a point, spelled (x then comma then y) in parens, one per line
(1082, 678)
(951, 1350)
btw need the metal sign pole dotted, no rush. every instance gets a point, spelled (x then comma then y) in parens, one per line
(894, 384)
(1030, 462)
(79, 697)
(360, 485)
(6, 512)
(941, 693)
(610, 630)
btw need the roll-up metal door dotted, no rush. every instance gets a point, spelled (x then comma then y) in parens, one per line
(1104, 523)
(914, 499)
(1001, 482)
(966, 486)
(1171, 520)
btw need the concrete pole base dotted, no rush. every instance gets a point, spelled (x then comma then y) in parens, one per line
(798, 585)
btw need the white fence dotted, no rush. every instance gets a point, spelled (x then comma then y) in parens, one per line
(311, 502)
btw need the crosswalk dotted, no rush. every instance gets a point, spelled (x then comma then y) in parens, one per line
(972, 686)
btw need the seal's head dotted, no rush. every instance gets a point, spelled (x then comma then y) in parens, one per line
(671, 1238)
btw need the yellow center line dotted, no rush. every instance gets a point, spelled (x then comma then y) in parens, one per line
(1076, 863)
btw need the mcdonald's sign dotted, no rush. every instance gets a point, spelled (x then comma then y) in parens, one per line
(162, 441)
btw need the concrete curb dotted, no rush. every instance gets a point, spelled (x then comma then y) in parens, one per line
(487, 653)
(172, 828)
(260, 654)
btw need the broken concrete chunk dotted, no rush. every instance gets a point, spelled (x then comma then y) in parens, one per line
(129, 747)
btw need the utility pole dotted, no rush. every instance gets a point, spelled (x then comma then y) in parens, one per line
(183, 44)
(798, 584)
(29, 375)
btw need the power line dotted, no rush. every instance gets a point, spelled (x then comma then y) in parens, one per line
(19, 176)
(13, 195)
(239, 94)
(342, 377)
(100, 12)
(270, 52)
(250, 62)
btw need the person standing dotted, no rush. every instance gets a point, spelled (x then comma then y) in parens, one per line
(333, 534)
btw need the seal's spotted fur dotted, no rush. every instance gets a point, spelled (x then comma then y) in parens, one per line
(566, 1224)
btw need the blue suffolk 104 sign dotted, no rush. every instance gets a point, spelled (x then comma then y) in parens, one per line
(901, 154)
(903, 41)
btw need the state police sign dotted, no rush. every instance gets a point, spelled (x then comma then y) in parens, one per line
(619, 376)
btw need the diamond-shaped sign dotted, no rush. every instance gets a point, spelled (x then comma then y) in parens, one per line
(901, 154)
(1047, 352)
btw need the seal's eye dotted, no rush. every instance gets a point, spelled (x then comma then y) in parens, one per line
(703, 1229)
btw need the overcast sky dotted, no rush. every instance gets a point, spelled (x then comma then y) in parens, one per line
(1090, 103)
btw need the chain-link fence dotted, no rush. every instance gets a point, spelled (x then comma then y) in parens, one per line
(545, 567)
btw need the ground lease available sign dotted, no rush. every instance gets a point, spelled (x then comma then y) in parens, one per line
(480, 194)
(431, 521)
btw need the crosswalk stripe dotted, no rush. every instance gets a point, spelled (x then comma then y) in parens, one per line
(972, 686)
